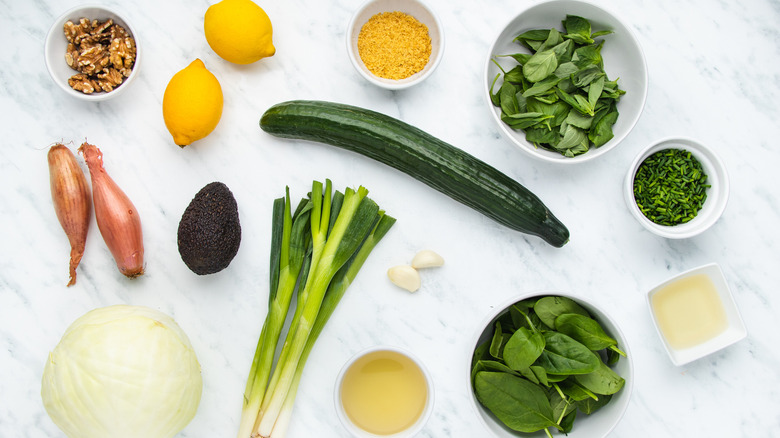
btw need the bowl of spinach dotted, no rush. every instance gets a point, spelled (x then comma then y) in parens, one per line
(566, 80)
(550, 364)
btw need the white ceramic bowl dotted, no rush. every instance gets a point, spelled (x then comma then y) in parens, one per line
(357, 432)
(54, 50)
(735, 329)
(623, 60)
(597, 425)
(717, 194)
(416, 9)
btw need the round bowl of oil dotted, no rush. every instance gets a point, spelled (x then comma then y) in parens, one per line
(92, 52)
(395, 44)
(384, 391)
(676, 188)
(578, 414)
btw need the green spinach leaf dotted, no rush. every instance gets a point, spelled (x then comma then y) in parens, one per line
(585, 330)
(518, 403)
(564, 355)
(550, 307)
(523, 348)
(602, 381)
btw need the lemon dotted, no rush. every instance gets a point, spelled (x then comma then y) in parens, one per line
(192, 103)
(239, 31)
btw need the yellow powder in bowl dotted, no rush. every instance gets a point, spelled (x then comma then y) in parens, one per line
(394, 45)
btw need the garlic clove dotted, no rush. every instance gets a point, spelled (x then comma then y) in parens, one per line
(427, 259)
(405, 277)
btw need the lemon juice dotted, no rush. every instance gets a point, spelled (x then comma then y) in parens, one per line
(689, 311)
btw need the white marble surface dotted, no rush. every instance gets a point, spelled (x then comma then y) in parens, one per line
(713, 77)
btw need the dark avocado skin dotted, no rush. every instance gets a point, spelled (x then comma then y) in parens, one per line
(209, 231)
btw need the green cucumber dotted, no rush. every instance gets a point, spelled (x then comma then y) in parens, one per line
(438, 164)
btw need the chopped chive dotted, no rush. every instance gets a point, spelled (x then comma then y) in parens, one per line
(670, 187)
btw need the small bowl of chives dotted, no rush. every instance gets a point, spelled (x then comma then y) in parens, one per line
(677, 188)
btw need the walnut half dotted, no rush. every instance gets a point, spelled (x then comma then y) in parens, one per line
(103, 54)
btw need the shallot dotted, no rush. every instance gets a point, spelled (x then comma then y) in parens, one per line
(70, 195)
(116, 216)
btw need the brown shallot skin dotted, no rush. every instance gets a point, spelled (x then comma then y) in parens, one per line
(70, 195)
(116, 216)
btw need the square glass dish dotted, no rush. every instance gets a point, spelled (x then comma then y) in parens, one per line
(695, 314)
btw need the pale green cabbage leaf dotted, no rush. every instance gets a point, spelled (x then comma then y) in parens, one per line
(123, 372)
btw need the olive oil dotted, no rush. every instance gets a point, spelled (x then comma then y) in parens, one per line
(689, 311)
(384, 392)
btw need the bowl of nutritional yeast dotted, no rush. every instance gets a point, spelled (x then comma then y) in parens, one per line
(677, 188)
(395, 44)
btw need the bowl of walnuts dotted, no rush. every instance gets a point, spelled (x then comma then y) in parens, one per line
(91, 52)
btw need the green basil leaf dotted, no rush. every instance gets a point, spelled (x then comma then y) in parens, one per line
(541, 65)
(518, 403)
(566, 69)
(575, 101)
(521, 58)
(564, 51)
(586, 75)
(553, 39)
(600, 33)
(495, 99)
(587, 55)
(523, 348)
(577, 25)
(579, 39)
(564, 355)
(542, 137)
(533, 35)
(602, 130)
(508, 98)
(542, 86)
(515, 76)
(524, 120)
(559, 110)
(574, 140)
(576, 118)
(585, 330)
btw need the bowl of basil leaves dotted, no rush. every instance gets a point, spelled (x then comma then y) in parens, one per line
(550, 364)
(566, 80)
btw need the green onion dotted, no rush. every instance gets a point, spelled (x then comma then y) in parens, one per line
(670, 187)
(319, 250)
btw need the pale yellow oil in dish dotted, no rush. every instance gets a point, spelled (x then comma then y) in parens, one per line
(689, 311)
(384, 392)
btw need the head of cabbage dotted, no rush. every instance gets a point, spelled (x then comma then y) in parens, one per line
(122, 371)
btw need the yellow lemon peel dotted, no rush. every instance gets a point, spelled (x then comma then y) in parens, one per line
(192, 103)
(239, 31)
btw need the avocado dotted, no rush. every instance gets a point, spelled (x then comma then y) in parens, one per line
(209, 231)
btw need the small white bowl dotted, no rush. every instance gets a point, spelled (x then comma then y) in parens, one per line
(416, 9)
(357, 432)
(623, 60)
(717, 194)
(54, 50)
(597, 425)
(735, 329)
